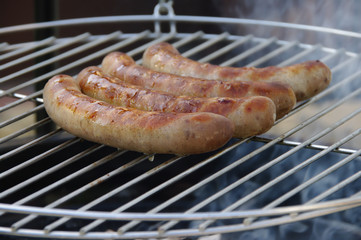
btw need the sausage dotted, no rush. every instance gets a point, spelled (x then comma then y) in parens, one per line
(250, 116)
(123, 67)
(306, 79)
(129, 128)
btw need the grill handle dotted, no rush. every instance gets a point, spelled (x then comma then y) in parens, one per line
(164, 8)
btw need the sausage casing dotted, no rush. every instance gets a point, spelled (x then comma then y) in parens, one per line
(132, 129)
(123, 67)
(306, 79)
(250, 115)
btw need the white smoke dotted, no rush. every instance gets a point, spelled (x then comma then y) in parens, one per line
(344, 15)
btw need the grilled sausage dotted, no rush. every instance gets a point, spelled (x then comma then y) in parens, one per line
(306, 79)
(132, 129)
(123, 67)
(250, 116)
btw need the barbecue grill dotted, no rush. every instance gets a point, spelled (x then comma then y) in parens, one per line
(55, 185)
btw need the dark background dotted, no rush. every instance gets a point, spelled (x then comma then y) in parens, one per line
(16, 12)
(326, 13)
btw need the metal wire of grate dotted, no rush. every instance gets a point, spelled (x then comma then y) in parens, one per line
(55, 185)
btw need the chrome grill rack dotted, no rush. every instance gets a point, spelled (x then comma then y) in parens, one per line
(55, 185)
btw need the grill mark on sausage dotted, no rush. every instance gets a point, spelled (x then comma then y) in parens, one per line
(95, 83)
(196, 87)
(128, 128)
(306, 79)
(94, 109)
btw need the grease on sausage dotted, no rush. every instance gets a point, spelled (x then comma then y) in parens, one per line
(250, 115)
(123, 67)
(306, 79)
(132, 129)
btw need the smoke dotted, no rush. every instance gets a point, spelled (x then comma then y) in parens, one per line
(340, 225)
(336, 14)
(342, 15)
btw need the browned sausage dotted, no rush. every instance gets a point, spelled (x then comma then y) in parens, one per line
(306, 79)
(250, 116)
(132, 129)
(123, 67)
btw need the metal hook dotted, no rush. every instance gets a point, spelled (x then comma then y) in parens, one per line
(164, 8)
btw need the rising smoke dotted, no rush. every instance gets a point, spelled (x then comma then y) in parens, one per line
(344, 15)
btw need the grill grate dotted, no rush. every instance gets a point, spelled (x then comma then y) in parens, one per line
(55, 185)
